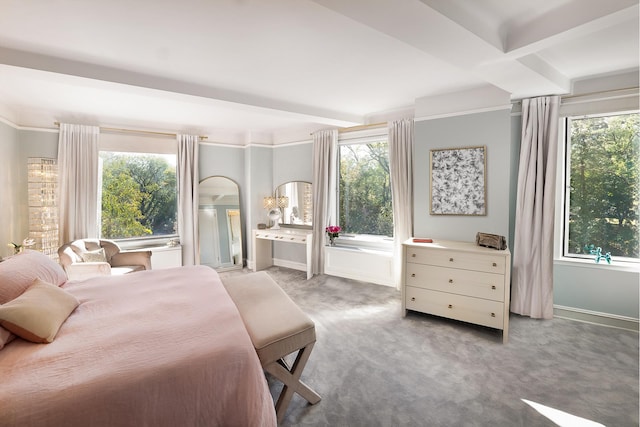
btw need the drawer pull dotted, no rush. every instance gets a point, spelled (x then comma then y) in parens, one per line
(450, 306)
(493, 287)
(413, 298)
(413, 274)
(495, 264)
(293, 238)
(493, 315)
(450, 259)
(450, 280)
(413, 255)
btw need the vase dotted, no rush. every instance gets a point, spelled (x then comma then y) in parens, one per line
(331, 241)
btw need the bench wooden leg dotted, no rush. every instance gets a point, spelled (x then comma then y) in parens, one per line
(290, 378)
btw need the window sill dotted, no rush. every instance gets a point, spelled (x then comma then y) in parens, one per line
(365, 242)
(587, 263)
(147, 243)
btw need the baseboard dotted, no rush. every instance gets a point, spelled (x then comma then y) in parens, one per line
(605, 319)
(280, 263)
(290, 264)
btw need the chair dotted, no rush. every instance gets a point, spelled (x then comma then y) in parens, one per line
(85, 258)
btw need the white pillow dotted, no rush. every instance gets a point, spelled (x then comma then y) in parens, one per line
(94, 256)
(38, 313)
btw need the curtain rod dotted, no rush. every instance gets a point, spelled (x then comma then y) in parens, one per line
(148, 132)
(580, 95)
(601, 92)
(360, 127)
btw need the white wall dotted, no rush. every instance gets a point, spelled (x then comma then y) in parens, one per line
(12, 229)
(17, 146)
(259, 178)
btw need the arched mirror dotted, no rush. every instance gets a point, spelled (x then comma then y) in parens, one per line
(220, 224)
(295, 202)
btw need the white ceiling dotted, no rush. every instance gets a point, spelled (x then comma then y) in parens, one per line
(266, 71)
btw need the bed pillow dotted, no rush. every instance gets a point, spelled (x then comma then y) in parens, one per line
(94, 256)
(38, 313)
(19, 271)
(5, 337)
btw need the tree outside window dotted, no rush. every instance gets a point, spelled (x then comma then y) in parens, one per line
(365, 189)
(139, 195)
(603, 175)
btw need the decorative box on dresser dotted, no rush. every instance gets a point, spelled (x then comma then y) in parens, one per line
(458, 280)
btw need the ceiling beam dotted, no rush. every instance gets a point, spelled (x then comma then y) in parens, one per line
(233, 99)
(420, 25)
(569, 21)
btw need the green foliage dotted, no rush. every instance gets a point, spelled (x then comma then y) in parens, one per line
(138, 196)
(365, 189)
(604, 184)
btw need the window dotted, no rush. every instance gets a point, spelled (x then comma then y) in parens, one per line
(139, 195)
(365, 189)
(602, 186)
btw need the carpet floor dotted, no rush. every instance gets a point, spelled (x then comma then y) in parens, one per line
(374, 367)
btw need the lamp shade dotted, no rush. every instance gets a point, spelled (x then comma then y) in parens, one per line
(269, 202)
(283, 202)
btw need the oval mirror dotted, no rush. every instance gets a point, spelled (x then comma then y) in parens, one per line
(220, 224)
(295, 201)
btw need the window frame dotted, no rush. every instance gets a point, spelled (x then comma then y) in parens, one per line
(371, 242)
(563, 198)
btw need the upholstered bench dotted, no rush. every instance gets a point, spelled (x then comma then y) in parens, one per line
(277, 327)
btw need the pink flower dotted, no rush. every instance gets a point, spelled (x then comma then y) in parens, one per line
(333, 229)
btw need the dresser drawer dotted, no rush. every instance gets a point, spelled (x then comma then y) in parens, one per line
(466, 309)
(456, 259)
(462, 282)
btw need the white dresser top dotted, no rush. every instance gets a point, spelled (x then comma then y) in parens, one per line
(455, 245)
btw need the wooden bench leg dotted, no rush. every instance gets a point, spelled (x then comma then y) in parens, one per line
(290, 378)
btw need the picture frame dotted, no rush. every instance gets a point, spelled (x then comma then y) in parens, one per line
(458, 181)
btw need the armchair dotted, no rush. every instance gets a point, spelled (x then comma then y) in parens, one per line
(86, 258)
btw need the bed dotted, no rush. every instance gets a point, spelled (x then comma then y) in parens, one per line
(152, 348)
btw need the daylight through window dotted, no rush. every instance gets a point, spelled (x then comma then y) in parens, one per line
(365, 189)
(602, 192)
(139, 195)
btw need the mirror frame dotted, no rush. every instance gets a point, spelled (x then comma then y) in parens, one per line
(278, 192)
(241, 218)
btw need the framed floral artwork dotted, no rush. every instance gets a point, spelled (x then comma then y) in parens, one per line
(458, 181)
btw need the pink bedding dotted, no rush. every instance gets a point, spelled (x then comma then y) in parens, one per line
(154, 348)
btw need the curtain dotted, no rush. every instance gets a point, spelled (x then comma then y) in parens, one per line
(532, 282)
(325, 162)
(401, 171)
(187, 175)
(78, 182)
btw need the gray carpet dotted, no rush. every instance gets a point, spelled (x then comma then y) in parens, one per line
(373, 367)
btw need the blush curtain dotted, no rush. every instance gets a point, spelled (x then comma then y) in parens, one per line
(532, 283)
(325, 163)
(188, 179)
(78, 182)
(401, 170)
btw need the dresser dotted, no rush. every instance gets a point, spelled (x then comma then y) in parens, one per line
(458, 280)
(262, 252)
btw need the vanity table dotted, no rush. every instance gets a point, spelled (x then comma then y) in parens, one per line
(263, 241)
